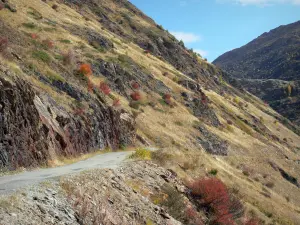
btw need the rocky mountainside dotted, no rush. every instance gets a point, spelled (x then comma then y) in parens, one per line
(272, 62)
(81, 76)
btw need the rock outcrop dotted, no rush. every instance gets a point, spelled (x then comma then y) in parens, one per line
(34, 129)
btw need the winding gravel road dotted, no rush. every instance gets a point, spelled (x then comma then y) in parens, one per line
(11, 183)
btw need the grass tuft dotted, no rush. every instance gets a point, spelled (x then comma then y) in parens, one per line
(42, 56)
(141, 153)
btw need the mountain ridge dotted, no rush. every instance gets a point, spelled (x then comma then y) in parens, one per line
(275, 56)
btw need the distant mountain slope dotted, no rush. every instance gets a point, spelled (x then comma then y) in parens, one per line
(274, 55)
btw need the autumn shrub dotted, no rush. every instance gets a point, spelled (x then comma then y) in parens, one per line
(104, 88)
(135, 85)
(48, 43)
(85, 69)
(34, 36)
(167, 99)
(3, 44)
(213, 194)
(136, 96)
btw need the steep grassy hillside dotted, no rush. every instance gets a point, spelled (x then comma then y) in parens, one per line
(272, 62)
(79, 76)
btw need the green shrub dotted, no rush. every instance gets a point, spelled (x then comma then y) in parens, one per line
(213, 172)
(35, 14)
(125, 60)
(29, 25)
(65, 41)
(134, 104)
(179, 123)
(41, 55)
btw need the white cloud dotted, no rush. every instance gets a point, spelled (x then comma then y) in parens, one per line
(262, 2)
(202, 52)
(186, 37)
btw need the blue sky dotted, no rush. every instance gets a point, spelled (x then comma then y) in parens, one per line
(213, 27)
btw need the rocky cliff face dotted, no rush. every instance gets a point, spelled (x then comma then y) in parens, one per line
(268, 66)
(34, 129)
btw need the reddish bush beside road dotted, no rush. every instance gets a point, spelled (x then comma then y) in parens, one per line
(213, 194)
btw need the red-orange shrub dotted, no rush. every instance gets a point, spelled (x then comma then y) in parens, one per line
(135, 85)
(213, 194)
(167, 99)
(85, 69)
(203, 98)
(167, 96)
(34, 36)
(104, 88)
(48, 43)
(136, 96)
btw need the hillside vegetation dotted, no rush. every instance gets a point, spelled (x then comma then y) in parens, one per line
(81, 76)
